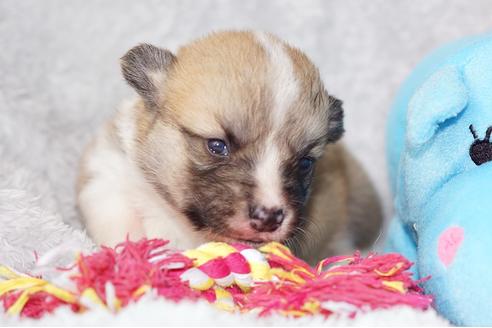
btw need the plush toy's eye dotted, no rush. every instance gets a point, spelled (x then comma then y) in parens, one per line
(306, 164)
(217, 147)
(481, 149)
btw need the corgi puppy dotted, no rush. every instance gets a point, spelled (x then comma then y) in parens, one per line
(234, 139)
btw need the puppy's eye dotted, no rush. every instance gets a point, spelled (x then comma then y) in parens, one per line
(217, 147)
(306, 164)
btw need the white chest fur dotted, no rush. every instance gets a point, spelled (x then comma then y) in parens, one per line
(116, 199)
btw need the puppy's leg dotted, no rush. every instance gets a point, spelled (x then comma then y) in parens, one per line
(105, 194)
(108, 213)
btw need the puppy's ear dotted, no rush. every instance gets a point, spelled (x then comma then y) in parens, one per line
(335, 119)
(145, 68)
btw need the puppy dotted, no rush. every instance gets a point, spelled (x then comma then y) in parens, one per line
(232, 139)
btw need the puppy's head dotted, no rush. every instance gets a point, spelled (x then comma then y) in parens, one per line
(230, 131)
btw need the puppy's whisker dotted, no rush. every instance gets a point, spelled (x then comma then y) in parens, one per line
(310, 237)
(295, 242)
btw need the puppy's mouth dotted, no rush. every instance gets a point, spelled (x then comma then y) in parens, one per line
(252, 243)
(257, 242)
(253, 240)
(240, 230)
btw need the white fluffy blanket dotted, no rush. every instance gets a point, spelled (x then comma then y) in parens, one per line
(60, 79)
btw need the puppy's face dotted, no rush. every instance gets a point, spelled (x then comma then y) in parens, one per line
(231, 130)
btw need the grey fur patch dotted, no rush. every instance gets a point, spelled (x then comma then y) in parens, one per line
(141, 65)
(335, 120)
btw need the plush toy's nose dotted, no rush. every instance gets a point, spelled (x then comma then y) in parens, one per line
(266, 219)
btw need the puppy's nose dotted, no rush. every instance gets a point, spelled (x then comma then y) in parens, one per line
(266, 219)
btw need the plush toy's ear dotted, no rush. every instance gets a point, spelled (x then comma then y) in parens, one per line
(443, 96)
(145, 68)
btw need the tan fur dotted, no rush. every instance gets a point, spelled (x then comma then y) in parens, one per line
(199, 73)
(147, 160)
(343, 209)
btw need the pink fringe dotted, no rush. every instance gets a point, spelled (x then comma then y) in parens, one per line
(361, 282)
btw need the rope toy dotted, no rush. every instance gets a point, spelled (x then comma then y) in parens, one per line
(233, 277)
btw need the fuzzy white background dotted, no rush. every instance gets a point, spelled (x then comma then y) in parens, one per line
(60, 79)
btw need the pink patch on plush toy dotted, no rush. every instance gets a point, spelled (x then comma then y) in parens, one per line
(448, 244)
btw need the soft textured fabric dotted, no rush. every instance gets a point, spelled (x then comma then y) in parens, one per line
(154, 311)
(397, 118)
(442, 197)
(60, 80)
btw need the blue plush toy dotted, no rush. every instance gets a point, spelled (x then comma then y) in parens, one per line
(440, 162)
